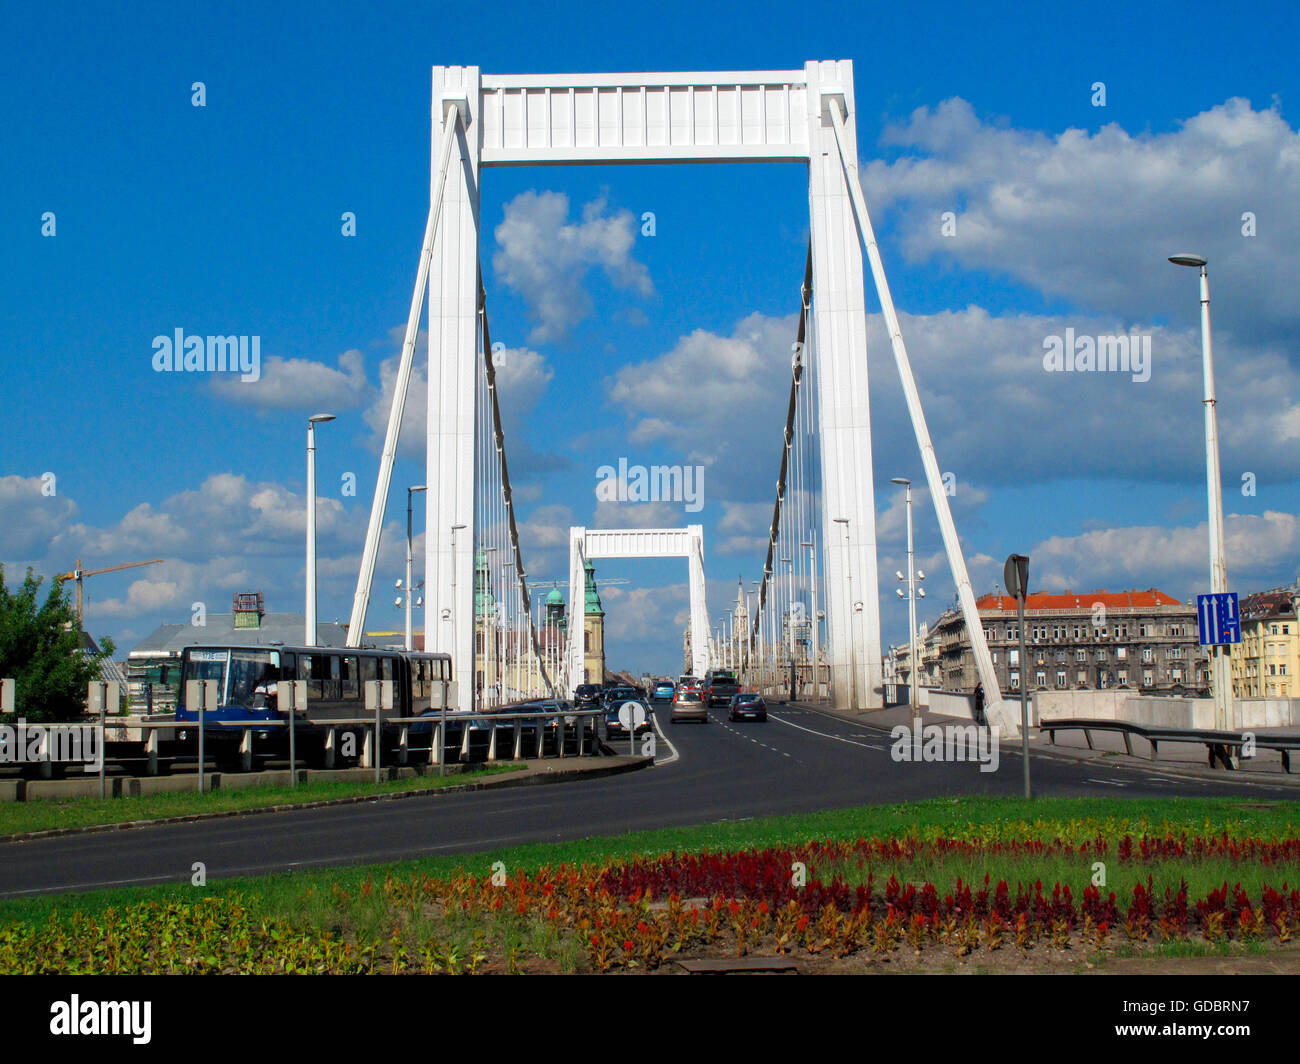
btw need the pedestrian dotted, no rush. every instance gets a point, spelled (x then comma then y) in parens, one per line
(979, 703)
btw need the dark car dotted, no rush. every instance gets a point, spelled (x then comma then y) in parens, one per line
(620, 694)
(747, 705)
(719, 686)
(588, 695)
(614, 726)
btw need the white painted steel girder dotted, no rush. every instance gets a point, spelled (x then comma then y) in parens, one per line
(587, 543)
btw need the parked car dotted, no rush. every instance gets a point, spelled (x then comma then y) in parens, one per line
(664, 691)
(689, 705)
(719, 686)
(747, 705)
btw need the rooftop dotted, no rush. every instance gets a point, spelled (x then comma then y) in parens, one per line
(1084, 601)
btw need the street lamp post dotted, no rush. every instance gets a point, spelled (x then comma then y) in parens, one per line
(911, 609)
(309, 609)
(1223, 709)
(410, 492)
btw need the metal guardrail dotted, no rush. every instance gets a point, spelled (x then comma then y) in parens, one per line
(540, 724)
(1223, 746)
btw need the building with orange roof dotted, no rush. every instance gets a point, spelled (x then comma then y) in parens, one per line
(1141, 641)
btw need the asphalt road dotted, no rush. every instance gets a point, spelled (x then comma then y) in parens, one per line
(799, 760)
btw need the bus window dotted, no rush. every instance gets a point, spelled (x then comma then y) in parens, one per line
(349, 676)
(369, 670)
(386, 670)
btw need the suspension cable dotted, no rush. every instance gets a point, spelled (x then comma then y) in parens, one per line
(795, 376)
(500, 439)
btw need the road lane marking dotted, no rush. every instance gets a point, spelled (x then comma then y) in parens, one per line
(825, 735)
(654, 718)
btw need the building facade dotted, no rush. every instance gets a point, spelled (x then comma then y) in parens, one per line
(1267, 662)
(1141, 641)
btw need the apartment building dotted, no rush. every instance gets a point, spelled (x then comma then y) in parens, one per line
(1143, 641)
(1267, 663)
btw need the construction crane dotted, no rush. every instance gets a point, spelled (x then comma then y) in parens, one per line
(79, 575)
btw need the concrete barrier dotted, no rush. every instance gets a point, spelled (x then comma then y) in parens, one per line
(12, 790)
(136, 787)
(952, 704)
(59, 790)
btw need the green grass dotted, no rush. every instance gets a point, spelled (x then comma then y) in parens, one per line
(39, 815)
(1071, 819)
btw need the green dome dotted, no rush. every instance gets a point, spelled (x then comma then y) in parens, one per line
(555, 598)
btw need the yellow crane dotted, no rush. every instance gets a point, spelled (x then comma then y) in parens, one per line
(79, 574)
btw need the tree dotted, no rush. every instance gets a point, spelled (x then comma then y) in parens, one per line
(40, 648)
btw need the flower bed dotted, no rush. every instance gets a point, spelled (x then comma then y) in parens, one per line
(835, 899)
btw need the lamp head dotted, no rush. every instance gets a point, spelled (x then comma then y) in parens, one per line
(316, 419)
(1187, 260)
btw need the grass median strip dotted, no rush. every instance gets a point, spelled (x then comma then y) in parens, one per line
(18, 818)
(899, 885)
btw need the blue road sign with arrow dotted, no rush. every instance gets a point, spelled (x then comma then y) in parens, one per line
(1217, 619)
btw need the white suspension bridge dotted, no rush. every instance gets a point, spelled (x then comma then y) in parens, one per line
(812, 621)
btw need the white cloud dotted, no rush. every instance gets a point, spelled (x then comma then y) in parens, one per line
(1175, 559)
(995, 414)
(545, 257)
(301, 384)
(1092, 217)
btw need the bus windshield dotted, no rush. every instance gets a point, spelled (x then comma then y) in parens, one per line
(245, 678)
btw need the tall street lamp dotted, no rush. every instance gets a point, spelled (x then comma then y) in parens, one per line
(410, 492)
(912, 672)
(309, 610)
(1218, 565)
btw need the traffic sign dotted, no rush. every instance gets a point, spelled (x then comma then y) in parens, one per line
(631, 715)
(1217, 619)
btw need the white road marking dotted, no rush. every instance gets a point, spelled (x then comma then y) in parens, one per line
(668, 760)
(1113, 783)
(824, 735)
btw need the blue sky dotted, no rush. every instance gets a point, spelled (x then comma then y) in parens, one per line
(226, 219)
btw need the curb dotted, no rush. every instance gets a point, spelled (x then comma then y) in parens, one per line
(511, 779)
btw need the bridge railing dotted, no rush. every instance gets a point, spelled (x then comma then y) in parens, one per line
(527, 729)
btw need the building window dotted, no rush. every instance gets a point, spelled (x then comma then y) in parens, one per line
(1080, 655)
(1148, 655)
(1148, 678)
(1121, 653)
(1061, 679)
(1122, 677)
(1015, 681)
(1101, 655)
(1040, 678)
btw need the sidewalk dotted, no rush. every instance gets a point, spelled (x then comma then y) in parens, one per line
(1184, 758)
